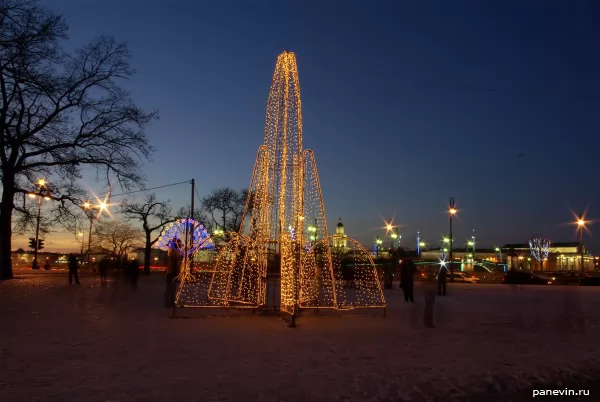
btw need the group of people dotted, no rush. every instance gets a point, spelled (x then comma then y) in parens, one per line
(130, 270)
(407, 280)
(407, 284)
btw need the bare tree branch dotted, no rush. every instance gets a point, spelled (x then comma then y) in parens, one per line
(60, 112)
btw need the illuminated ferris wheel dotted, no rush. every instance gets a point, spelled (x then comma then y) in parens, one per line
(174, 236)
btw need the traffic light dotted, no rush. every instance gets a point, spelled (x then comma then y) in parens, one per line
(40, 244)
(32, 243)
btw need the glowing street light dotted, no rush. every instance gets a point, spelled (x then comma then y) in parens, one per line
(42, 194)
(378, 243)
(451, 212)
(82, 237)
(88, 209)
(312, 232)
(581, 225)
(390, 227)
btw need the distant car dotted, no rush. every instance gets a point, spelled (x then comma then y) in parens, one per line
(514, 277)
(566, 278)
(461, 277)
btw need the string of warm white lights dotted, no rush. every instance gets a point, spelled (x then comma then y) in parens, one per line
(285, 217)
(540, 248)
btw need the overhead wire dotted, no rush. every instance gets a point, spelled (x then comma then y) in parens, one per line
(148, 189)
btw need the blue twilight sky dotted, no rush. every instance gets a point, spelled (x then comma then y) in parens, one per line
(404, 103)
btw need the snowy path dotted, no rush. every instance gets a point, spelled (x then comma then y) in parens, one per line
(61, 342)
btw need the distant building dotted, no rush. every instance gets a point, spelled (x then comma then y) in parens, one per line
(340, 242)
(561, 257)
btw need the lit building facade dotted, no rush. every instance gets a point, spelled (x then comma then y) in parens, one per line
(561, 257)
(340, 243)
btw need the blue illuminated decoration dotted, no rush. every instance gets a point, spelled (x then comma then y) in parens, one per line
(418, 243)
(173, 236)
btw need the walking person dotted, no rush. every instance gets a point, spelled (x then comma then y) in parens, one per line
(407, 280)
(441, 280)
(429, 293)
(73, 269)
(134, 272)
(103, 268)
(173, 263)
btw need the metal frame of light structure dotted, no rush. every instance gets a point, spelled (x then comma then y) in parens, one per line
(284, 189)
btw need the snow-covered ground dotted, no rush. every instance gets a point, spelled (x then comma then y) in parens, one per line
(89, 343)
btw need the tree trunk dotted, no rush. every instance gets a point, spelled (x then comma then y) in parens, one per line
(6, 209)
(147, 252)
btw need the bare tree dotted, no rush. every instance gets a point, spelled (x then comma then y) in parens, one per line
(60, 112)
(224, 208)
(154, 215)
(116, 238)
(539, 248)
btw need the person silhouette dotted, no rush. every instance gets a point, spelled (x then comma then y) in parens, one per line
(173, 268)
(73, 266)
(441, 280)
(429, 293)
(407, 280)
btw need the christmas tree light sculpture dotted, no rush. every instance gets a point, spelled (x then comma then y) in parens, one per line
(284, 223)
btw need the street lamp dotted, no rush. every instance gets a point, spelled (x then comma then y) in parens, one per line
(581, 226)
(394, 237)
(42, 189)
(499, 251)
(378, 242)
(88, 209)
(81, 253)
(451, 213)
(312, 232)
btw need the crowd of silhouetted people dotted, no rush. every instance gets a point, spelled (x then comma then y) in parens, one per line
(408, 272)
(129, 268)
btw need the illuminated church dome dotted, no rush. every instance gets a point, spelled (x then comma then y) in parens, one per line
(341, 239)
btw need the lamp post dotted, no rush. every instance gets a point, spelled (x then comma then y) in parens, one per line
(378, 242)
(88, 209)
(581, 226)
(394, 237)
(42, 184)
(312, 233)
(473, 240)
(499, 251)
(82, 239)
(451, 213)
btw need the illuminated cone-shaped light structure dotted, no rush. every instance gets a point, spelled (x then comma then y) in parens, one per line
(284, 224)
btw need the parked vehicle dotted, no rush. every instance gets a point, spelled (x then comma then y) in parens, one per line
(514, 277)
(462, 278)
(567, 278)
